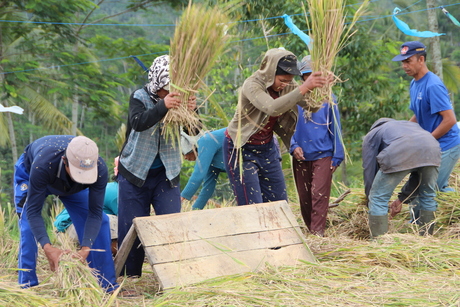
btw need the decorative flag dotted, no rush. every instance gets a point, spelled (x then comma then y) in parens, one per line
(454, 20)
(411, 32)
(13, 109)
(304, 37)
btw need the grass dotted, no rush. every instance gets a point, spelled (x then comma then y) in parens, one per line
(399, 269)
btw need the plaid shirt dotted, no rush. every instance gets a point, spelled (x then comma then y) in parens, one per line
(142, 147)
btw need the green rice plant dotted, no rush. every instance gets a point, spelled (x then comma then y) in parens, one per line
(326, 21)
(199, 39)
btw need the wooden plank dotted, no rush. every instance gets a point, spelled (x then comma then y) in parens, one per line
(215, 246)
(190, 247)
(205, 224)
(123, 252)
(174, 274)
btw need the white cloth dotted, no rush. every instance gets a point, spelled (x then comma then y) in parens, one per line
(13, 109)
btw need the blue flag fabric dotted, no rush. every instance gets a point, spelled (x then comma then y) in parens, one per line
(411, 32)
(304, 37)
(452, 18)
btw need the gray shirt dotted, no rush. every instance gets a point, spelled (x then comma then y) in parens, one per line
(397, 145)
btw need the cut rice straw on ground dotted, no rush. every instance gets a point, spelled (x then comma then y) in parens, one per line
(326, 21)
(199, 39)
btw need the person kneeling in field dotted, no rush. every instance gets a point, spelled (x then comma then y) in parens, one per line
(393, 149)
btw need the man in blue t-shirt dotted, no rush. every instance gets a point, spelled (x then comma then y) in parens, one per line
(430, 102)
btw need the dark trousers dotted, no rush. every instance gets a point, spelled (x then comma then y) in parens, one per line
(134, 202)
(262, 178)
(313, 181)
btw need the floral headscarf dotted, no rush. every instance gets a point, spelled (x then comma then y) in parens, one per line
(158, 75)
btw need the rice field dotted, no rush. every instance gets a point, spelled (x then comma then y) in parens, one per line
(399, 269)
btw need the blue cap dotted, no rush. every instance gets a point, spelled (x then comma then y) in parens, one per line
(408, 49)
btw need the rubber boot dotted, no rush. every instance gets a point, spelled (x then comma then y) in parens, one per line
(426, 222)
(378, 225)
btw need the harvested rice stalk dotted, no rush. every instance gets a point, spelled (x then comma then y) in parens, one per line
(199, 39)
(77, 283)
(11, 295)
(326, 21)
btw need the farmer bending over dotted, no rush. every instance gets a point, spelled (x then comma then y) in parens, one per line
(391, 150)
(70, 168)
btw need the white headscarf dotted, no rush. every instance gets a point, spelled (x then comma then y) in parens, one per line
(158, 75)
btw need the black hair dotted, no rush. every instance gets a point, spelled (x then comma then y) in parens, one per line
(421, 54)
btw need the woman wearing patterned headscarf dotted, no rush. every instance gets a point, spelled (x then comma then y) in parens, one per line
(149, 165)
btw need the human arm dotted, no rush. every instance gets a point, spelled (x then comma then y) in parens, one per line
(448, 121)
(36, 195)
(207, 148)
(53, 254)
(95, 204)
(298, 154)
(208, 188)
(142, 118)
(295, 150)
(413, 119)
(255, 93)
(370, 150)
(313, 81)
(336, 129)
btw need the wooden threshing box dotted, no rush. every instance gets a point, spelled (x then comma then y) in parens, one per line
(190, 247)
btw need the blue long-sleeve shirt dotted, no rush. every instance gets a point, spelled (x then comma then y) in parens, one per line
(209, 164)
(47, 175)
(63, 220)
(319, 135)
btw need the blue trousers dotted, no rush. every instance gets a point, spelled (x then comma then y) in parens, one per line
(77, 206)
(384, 185)
(262, 179)
(409, 191)
(136, 201)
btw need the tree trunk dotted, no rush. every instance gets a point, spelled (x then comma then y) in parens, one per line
(435, 46)
(74, 113)
(82, 117)
(75, 102)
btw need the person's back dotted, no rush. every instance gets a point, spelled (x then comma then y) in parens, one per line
(391, 150)
(71, 168)
(209, 163)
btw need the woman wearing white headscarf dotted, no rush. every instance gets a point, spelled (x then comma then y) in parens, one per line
(149, 164)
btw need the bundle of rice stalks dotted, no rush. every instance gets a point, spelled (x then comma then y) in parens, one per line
(200, 37)
(76, 283)
(326, 22)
